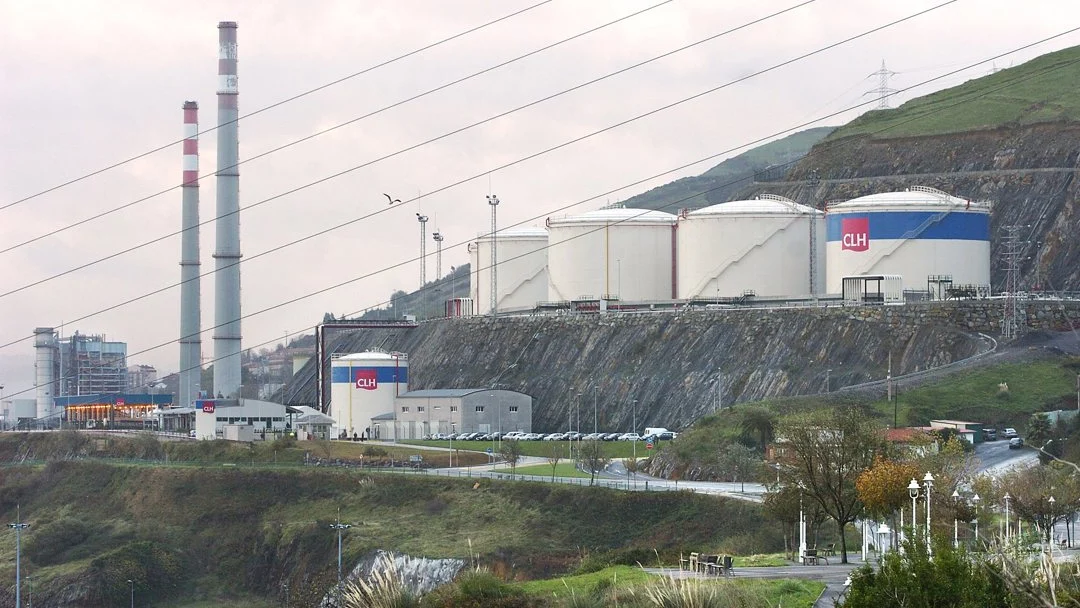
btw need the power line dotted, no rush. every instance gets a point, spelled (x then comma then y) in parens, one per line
(491, 118)
(280, 103)
(339, 125)
(823, 148)
(642, 181)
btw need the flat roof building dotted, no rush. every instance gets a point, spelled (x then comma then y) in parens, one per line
(463, 410)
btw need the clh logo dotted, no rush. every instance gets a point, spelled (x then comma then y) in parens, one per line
(208, 407)
(366, 379)
(855, 233)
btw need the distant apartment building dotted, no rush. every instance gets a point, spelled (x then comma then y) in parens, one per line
(141, 376)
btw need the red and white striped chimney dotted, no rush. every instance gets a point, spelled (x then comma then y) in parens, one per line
(191, 144)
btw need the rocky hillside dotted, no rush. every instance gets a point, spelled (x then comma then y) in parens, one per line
(1012, 138)
(661, 367)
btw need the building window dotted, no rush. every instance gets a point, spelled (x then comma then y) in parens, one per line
(479, 408)
(453, 408)
(404, 408)
(419, 408)
(436, 408)
(513, 408)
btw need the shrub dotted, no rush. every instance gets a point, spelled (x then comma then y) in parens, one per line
(50, 543)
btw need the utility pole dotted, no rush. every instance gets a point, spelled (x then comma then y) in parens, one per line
(594, 387)
(18, 526)
(340, 527)
(719, 392)
(813, 182)
(493, 202)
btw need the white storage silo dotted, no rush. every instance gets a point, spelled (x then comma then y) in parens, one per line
(760, 246)
(623, 253)
(363, 386)
(521, 259)
(921, 234)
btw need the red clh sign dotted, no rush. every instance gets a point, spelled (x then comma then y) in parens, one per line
(366, 379)
(855, 233)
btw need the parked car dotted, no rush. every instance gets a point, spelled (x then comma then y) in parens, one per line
(629, 437)
(611, 436)
(1011, 433)
(989, 434)
(555, 437)
(1015, 443)
(667, 435)
(533, 437)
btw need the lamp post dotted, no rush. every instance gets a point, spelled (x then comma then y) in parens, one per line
(828, 380)
(131, 585)
(1007, 498)
(340, 527)
(1051, 528)
(18, 526)
(955, 520)
(914, 491)
(883, 532)
(453, 431)
(975, 499)
(635, 443)
(594, 427)
(30, 595)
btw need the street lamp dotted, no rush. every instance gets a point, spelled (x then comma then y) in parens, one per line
(1007, 498)
(914, 491)
(340, 527)
(1050, 529)
(30, 596)
(975, 499)
(928, 483)
(131, 584)
(955, 520)
(18, 526)
(594, 427)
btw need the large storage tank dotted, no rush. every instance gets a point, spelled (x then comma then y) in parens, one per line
(622, 253)
(521, 258)
(760, 246)
(363, 386)
(925, 235)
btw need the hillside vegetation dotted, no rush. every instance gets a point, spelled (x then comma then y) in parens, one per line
(728, 177)
(235, 533)
(1038, 91)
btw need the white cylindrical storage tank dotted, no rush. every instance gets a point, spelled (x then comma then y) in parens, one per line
(363, 386)
(620, 253)
(760, 246)
(45, 370)
(521, 269)
(921, 234)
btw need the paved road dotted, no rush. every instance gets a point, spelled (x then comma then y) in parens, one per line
(995, 457)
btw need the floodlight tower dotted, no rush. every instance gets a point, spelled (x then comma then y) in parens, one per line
(438, 237)
(423, 258)
(493, 201)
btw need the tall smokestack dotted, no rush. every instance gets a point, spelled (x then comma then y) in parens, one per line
(45, 370)
(227, 254)
(190, 292)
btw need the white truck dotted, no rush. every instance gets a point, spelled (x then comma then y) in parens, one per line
(654, 430)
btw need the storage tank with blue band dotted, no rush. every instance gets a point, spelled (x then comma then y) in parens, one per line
(364, 386)
(925, 235)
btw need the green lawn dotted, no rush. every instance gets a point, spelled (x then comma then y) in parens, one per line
(789, 593)
(563, 469)
(612, 449)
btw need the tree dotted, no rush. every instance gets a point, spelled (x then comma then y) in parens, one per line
(511, 453)
(1031, 489)
(883, 487)
(554, 456)
(1039, 429)
(739, 462)
(827, 450)
(910, 577)
(592, 456)
(757, 424)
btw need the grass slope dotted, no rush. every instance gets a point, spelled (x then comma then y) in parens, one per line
(232, 533)
(1040, 90)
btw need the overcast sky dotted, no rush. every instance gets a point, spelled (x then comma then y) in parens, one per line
(86, 84)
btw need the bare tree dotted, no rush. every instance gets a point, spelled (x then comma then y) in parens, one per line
(738, 462)
(592, 456)
(511, 453)
(827, 450)
(554, 456)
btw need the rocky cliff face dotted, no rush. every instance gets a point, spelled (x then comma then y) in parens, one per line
(661, 368)
(1027, 172)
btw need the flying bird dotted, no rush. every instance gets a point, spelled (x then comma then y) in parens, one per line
(392, 200)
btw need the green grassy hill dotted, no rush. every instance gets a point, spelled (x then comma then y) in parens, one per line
(233, 534)
(729, 176)
(1041, 90)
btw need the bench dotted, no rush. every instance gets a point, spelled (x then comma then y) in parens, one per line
(829, 549)
(689, 563)
(811, 558)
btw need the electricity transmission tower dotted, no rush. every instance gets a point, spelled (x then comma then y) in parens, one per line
(1010, 258)
(883, 92)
